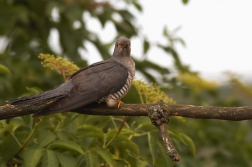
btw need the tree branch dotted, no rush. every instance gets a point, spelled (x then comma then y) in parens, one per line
(189, 111)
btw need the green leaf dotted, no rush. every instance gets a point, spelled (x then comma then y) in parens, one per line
(90, 131)
(69, 120)
(152, 146)
(16, 122)
(164, 160)
(66, 144)
(8, 127)
(180, 40)
(50, 159)
(92, 159)
(9, 148)
(28, 119)
(189, 142)
(45, 138)
(143, 120)
(62, 135)
(101, 48)
(137, 5)
(170, 50)
(66, 160)
(146, 46)
(4, 70)
(165, 32)
(145, 64)
(123, 142)
(144, 124)
(185, 1)
(184, 139)
(141, 163)
(150, 77)
(2, 123)
(3, 164)
(32, 156)
(106, 155)
(98, 121)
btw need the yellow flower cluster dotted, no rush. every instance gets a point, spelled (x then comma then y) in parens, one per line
(62, 65)
(151, 93)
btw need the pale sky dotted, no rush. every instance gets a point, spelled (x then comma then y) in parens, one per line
(218, 34)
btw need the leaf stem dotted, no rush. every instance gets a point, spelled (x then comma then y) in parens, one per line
(118, 132)
(20, 145)
(29, 137)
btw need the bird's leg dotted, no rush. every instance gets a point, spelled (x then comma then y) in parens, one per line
(119, 103)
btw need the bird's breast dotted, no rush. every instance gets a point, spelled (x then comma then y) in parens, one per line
(113, 98)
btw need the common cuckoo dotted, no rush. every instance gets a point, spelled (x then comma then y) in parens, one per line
(105, 81)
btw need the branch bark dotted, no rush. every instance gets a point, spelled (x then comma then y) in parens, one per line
(189, 111)
(160, 118)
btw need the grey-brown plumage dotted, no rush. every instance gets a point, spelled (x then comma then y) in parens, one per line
(107, 80)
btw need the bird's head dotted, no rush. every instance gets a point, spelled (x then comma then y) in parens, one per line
(122, 47)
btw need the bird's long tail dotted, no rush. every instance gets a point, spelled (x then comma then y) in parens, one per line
(45, 97)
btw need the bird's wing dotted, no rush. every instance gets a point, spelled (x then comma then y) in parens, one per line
(89, 85)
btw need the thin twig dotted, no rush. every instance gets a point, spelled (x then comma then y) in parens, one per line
(160, 118)
(29, 137)
(170, 149)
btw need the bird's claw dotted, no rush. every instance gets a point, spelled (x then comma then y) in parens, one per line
(119, 103)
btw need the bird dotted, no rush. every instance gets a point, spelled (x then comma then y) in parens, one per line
(105, 81)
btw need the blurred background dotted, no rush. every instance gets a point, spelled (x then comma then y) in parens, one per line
(198, 52)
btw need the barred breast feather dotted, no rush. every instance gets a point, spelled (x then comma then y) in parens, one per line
(113, 98)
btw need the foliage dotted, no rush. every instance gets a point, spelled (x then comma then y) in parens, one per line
(4, 70)
(70, 139)
(80, 140)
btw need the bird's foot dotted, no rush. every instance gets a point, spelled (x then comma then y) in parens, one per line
(119, 103)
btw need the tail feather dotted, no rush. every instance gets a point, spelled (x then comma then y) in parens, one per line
(41, 98)
(37, 98)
